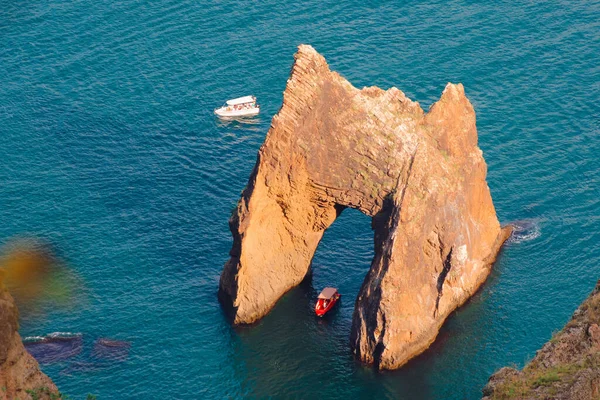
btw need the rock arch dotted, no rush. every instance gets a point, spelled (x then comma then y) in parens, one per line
(421, 177)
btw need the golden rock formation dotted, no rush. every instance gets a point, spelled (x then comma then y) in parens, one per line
(421, 177)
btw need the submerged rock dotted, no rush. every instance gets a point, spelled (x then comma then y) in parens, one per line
(55, 347)
(19, 371)
(525, 230)
(108, 349)
(420, 176)
(567, 367)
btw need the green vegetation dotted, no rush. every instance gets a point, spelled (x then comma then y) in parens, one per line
(36, 394)
(533, 380)
(546, 379)
(554, 338)
(572, 357)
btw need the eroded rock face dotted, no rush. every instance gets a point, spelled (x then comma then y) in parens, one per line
(421, 177)
(19, 371)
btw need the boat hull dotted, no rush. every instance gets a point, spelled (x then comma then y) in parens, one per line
(224, 113)
(321, 311)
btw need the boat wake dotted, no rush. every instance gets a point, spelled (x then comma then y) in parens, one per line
(237, 122)
(525, 230)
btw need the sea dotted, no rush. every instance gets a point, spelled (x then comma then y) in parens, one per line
(109, 150)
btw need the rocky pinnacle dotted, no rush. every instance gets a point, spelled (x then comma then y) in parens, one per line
(420, 176)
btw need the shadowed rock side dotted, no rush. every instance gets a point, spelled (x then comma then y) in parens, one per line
(421, 177)
(567, 367)
(19, 372)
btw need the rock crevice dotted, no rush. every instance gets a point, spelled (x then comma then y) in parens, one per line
(420, 176)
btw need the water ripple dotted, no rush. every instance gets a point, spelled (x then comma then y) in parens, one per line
(111, 150)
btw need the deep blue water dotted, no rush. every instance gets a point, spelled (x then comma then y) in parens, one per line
(109, 149)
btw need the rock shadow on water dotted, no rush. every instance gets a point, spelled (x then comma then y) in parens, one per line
(295, 305)
(271, 355)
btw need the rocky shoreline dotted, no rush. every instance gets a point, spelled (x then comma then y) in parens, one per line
(20, 376)
(567, 367)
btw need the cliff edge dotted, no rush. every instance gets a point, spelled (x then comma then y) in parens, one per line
(567, 367)
(420, 176)
(20, 376)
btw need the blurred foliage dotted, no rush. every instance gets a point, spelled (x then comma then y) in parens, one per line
(36, 277)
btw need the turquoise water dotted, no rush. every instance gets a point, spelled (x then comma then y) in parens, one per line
(109, 149)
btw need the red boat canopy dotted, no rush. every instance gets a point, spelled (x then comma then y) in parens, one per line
(328, 293)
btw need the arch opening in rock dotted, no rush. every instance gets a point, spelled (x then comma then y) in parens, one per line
(343, 257)
(420, 176)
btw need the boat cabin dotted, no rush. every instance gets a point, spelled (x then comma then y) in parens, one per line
(239, 107)
(242, 103)
(326, 300)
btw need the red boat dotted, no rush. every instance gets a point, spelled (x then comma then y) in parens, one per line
(326, 300)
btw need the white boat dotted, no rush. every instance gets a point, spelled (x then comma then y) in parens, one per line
(240, 107)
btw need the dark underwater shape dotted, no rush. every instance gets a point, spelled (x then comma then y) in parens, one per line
(54, 348)
(108, 349)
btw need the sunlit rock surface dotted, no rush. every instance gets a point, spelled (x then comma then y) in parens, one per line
(420, 176)
(19, 371)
